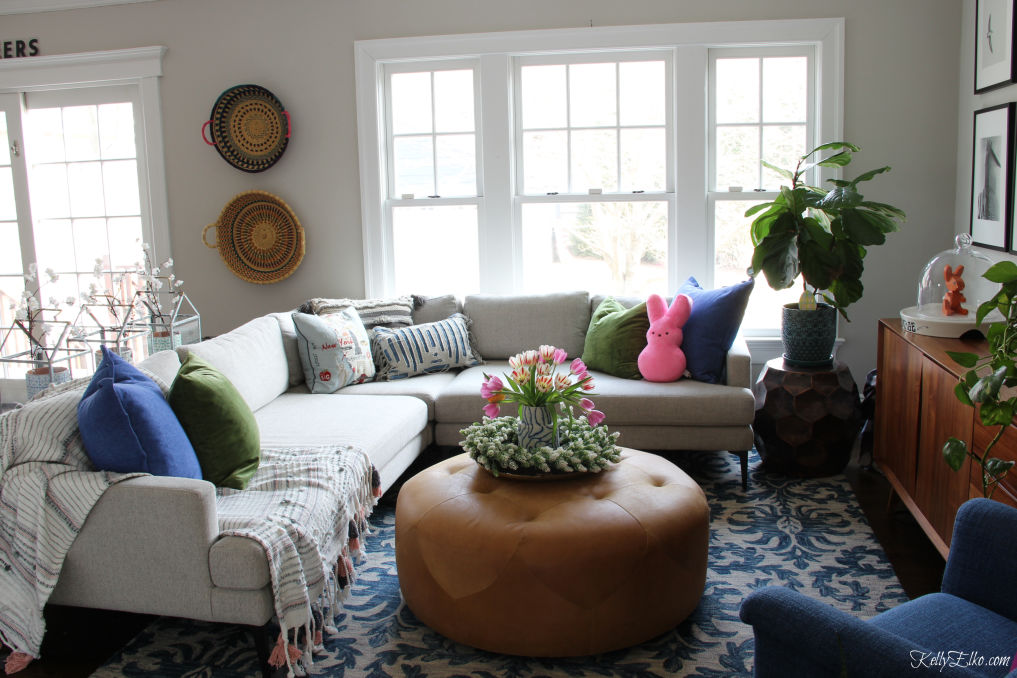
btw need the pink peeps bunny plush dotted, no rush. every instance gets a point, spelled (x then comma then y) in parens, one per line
(662, 359)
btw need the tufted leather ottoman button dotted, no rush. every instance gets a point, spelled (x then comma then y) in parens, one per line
(566, 567)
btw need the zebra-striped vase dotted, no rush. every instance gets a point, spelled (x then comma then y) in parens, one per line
(536, 427)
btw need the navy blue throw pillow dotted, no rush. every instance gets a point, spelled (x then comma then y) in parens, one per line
(712, 327)
(127, 426)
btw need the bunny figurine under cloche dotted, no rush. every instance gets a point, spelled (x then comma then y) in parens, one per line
(950, 291)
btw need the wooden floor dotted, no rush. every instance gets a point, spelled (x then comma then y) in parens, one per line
(80, 640)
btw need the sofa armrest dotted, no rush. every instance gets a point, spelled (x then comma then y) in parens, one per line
(144, 548)
(739, 364)
(798, 636)
(982, 555)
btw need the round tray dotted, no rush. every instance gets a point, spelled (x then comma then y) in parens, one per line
(258, 237)
(249, 127)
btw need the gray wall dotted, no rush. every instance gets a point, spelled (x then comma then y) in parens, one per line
(901, 83)
(969, 103)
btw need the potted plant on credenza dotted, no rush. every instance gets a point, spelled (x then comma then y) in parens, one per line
(820, 234)
(990, 380)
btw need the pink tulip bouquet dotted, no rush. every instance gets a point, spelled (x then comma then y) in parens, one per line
(535, 381)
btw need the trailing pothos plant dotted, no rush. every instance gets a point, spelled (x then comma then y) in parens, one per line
(997, 407)
(818, 233)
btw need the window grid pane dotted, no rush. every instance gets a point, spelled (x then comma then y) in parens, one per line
(425, 235)
(431, 134)
(732, 258)
(579, 126)
(770, 94)
(601, 246)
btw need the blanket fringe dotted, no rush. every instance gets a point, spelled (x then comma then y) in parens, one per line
(297, 653)
(16, 661)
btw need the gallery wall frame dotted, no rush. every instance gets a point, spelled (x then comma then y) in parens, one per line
(995, 59)
(992, 177)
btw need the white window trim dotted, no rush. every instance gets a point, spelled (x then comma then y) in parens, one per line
(691, 42)
(140, 67)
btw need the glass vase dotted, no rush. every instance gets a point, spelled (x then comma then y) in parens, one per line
(536, 427)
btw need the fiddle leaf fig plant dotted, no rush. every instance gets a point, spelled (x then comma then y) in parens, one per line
(998, 371)
(818, 233)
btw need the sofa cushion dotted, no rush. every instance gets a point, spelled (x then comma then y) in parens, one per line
(624, 401)
(252, 357)
(334, 350)
(162, 368)
(218, 423)
(426, 387)
(424, 349)
(379, 427)
(127, 426)
(615, 338)
(712, 326)
(432, 309)
(505, 325)
(289, 337)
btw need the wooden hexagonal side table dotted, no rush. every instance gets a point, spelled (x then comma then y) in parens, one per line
(807, 418)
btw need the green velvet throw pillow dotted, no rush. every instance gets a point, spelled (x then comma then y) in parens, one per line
(218, 422)
(616, 337)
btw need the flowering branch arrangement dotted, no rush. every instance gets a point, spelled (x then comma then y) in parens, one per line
(30, 315)
(153, 279)
(111, 299)
(493, 443)
(536, 382)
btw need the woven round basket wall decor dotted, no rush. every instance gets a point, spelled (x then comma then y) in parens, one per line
(249, 127)
(259, 237)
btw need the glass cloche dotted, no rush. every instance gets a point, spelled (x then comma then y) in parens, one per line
(950, 291)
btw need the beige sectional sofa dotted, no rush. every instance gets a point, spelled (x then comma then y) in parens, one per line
(152, 544)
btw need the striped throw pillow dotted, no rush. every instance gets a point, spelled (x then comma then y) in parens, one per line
(394, 312)
(423, 349)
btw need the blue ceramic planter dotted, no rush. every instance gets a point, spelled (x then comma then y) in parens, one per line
(809, 336)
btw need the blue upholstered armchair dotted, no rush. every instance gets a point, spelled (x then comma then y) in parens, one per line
(975, 613)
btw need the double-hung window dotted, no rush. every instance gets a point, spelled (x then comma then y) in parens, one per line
(617, 160)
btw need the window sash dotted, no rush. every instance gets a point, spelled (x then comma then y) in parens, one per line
(391, 69)
(616, 57)
(812, 105)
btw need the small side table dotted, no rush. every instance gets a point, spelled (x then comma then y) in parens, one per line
(807, 418)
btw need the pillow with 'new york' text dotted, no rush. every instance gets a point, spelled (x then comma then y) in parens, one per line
(334, 349)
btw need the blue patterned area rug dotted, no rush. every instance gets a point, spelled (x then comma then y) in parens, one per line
(810, 535)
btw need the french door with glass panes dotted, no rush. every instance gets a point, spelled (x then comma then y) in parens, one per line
(71, 199)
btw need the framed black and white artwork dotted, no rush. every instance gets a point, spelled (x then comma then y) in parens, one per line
(994, 54)
(991, 166)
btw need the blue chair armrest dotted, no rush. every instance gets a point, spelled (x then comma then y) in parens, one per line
(983, 555)
(798, 636)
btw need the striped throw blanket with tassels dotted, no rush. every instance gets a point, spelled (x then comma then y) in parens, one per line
(47, 487)
(307, 508)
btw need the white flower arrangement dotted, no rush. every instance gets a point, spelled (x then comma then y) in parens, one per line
(30, 316)
(153, 279)
(493, 443)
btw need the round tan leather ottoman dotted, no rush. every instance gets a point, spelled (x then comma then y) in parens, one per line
(560, 568)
